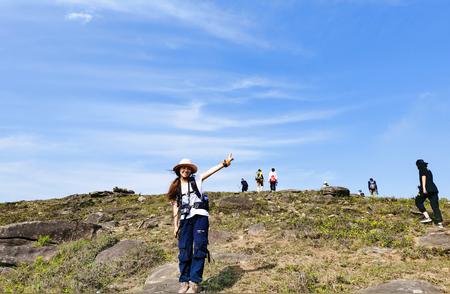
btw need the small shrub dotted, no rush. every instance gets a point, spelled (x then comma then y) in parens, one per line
(43, 241)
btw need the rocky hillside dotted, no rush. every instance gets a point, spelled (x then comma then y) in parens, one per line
(288, 241)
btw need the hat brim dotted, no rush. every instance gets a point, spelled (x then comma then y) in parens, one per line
(193, 167)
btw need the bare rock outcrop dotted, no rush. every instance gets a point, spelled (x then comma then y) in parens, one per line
(403, 286)
(122, 249)
(440, 240)
(19, 242)
(335, 191)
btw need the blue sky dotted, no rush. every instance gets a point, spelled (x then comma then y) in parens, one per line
(96, 94)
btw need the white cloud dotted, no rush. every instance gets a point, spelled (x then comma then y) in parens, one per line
(82, 17)
(195, 14)
(193, 118)
(26, 143)
(17, 142)
(382, 2)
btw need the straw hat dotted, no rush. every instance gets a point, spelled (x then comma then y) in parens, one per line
(185, 162)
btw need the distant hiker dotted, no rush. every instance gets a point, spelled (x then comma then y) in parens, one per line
(360, 193)
(259, 178)
(373, 188)
(427, 189)
(244, 185)
(273, 180)
(325, 184)
(190, 213)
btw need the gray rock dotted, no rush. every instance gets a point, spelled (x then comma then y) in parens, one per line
(14, 254)
(18, 241)
(163, 279)
(218, 237)
(58, 231)
(122, 190)
(256, 229)
(230, 257)
(149, 223)
(4, 270)
(100, 194)
(124, 248)
(109, 225)
(335, 191)
(235, 203)
(403, 286)
(440, 240)
(98, 217)
(376, 250)
(326, 199)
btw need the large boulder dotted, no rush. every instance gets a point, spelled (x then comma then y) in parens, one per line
(219, 237)
(12, 254)
(100, 194)
(122, 249)
(98, 217)
(440, 240)
(122, 190)
(335, 191)
(235, 203)
(163, 279)
(403, 286)
(19, 242)
(58, 231)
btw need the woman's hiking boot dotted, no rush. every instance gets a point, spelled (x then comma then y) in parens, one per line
(193, 288)
(184, 286)
(440, 225)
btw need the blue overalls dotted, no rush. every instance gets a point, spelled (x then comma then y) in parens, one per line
(193, 235)
(192, 243)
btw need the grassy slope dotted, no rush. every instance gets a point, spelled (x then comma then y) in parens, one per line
(310, 244)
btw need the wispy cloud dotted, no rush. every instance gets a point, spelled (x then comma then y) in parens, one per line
(26, 143)
(195, 118)
(204, 16)
(82, 17)
(426, 110)
(382, 2)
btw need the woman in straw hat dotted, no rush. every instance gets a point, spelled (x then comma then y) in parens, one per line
(190, 213)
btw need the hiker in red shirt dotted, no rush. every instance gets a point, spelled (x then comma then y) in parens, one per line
(273, 180)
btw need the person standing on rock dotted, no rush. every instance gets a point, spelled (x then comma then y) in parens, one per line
(273, 180)
(190, 212)
(259, 178)
(427, 189)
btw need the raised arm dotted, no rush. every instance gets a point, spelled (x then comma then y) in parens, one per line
(218, 167)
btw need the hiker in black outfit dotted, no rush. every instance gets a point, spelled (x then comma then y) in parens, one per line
(244, 185)
(373, 188)
(190, 208)
(427, 189)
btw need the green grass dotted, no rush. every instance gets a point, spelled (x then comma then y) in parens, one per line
(323, 256)
(73, 269)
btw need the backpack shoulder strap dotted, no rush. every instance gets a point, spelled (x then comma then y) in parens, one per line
(194, 186)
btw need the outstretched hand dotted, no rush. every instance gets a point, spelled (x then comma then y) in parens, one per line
(227, 161)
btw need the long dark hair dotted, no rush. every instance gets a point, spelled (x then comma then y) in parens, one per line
(174, 189)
